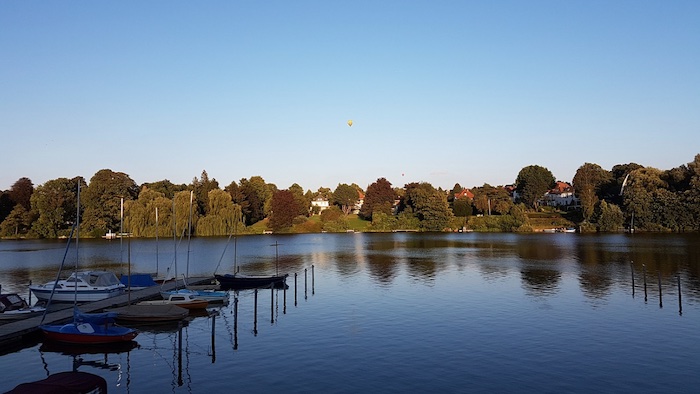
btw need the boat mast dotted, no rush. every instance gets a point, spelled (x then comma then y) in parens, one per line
(156, 242)
(189, 237)
(175, 240)
(77, 249)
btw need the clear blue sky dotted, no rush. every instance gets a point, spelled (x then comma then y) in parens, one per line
(444, 92)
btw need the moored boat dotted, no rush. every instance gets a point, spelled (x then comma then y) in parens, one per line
(209, 295)
(89, 328)
(140, 313)
(240, 281)
(81, 286)
(14, 307)
(187, 301)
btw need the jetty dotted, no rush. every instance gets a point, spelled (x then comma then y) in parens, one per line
(16, 332)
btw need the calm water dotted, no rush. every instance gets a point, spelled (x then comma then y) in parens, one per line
(538, 313)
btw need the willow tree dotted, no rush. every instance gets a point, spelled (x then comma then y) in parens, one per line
(223, 218)
(149, 215)
(184, 209)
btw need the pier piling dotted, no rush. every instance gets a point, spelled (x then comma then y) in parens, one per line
(661, 303)
(680, 303)
(632, 266)
(644, 269)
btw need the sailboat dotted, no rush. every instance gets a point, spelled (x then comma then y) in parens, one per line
(202, 294)
(86, 328)
(238, 281)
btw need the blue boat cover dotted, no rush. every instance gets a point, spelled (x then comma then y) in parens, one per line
(138, 280)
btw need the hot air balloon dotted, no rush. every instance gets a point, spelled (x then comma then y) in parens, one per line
(350, 122)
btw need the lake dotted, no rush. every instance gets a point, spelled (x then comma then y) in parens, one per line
(402, 312)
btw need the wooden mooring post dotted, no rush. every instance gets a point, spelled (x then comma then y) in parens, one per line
(255, 312)
(632, 266)
(680, 303)
(306, 296)
(295, 289)
(272, 304)
(179, 354)
(313, 282)
(213, 336)
(644, 269)
(235, 322)
(661, 303)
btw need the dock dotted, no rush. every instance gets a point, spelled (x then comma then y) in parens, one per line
(15, 332)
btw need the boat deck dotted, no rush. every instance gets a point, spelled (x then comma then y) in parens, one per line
(17, 331)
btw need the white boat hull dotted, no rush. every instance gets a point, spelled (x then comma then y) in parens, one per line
(69, 295)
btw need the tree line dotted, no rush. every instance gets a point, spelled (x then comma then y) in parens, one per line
(627, 196)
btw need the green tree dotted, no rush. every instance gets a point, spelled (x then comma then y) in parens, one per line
(102, 200)
(224, 216)
(609, 217)
(382, 222)
(461, 207)
(17, 222)
(55, 204)
(587, 183)
(379, 198)
(532, 183)
(255, 193)
(428, 205)
(166, 187)
(691, 196)
(493, 199)
(21, 193)
(334, 220)
(184, 204)
(201, 188)
(638, 196)
(6, 205)
(303, 202)
(284, 209)
(345, 196)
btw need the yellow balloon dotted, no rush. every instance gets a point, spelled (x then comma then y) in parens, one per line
(350, 122)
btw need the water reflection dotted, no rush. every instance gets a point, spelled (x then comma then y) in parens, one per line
(539, 281)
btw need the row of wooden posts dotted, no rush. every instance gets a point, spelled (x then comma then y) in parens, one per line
(646, 295)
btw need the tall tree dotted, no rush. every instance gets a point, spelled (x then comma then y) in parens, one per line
(345, 196)
(638, 196)
(284, 209)
(303, 202)
(532, 183)
(587, 183)
(378, 198)
(21, 193)
(254, 197)
(102, 200)
(55, 203)
(202, 187)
